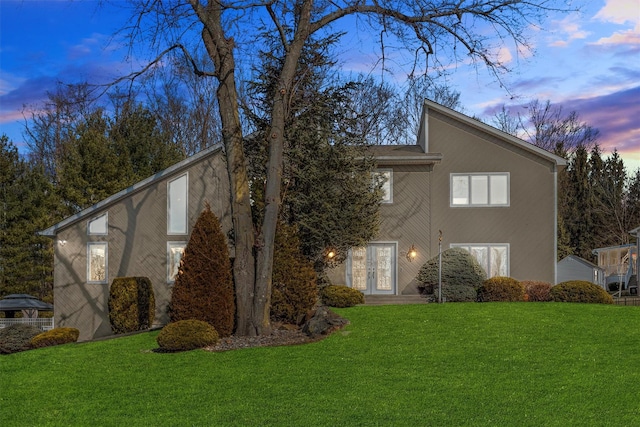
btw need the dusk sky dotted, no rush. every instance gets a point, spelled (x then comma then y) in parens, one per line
(588, 62)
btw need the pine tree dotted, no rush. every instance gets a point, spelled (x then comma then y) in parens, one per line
(203, 289)
(27, 205)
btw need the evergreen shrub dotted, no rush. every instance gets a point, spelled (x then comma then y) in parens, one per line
(185, 335)
(341, 296)
(55, 336)
(203, 288)
(132, 305)
(294, 291)
(15, 338)
(461, 276)
(580, 291)
(537, 291)
(501, 289)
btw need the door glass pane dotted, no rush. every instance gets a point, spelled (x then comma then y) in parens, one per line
(383, 267)
(460, 190)
(499, 190)
(479, 190)
(359, 269)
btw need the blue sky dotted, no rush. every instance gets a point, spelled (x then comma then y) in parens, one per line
(588, 62)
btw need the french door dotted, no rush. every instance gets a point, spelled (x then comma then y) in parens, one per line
(373, 269)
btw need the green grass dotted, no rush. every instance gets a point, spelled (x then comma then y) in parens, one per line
(490, 364)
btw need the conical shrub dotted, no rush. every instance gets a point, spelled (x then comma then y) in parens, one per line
(203, 289)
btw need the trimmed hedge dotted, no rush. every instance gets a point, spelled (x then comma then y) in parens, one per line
(55, 336)
(341, 296)
(461, 276)
(536, 291)
(501, 289)
(580, 291)
(17, 338)
(185, 335)
(132, 305)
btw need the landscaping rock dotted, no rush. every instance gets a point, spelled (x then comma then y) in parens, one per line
(323, 322)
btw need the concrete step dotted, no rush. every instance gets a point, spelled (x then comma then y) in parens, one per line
(393, 299)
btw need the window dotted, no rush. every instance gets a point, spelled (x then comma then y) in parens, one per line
(98, 225)
(175, 250)
(385, 176)
(480, 189)
(493, 258)
(177, 192)
(97, 262)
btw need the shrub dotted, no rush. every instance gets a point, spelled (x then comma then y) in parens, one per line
(501, 289)
(294, 291)
(341, 296)
(203, 288)
(537, 291)
(17, 338)
(185, 335)
(461, 276)
(55, 336)
(580, 291)
(132, 305)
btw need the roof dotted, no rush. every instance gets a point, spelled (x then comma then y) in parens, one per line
(580, 260)
(403, 155)
(635, 230)
(628, 245)
(139, 186)
(527, 146)
(16, 302)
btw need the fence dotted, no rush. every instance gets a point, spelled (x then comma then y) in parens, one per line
(44, 323)
(627, 301)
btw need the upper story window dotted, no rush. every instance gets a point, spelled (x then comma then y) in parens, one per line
(480, 189)
(386, 177)
(177, 195)
(98, 225)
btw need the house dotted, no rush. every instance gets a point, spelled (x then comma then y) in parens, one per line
(620, 265)
(573, 267)
(140, 231)
(486, 191)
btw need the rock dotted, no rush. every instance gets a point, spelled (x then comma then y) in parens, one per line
(323, 322)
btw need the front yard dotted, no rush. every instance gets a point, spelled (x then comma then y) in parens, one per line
(489, 364)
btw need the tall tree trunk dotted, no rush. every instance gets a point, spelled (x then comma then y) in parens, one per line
(220, 49)
(264, 256)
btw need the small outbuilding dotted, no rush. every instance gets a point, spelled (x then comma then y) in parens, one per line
(30, 307)
(573, 267)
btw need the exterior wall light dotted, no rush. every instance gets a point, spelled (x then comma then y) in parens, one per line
(331, 253)
(412, 253)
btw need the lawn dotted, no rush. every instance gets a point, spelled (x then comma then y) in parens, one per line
(490, 364)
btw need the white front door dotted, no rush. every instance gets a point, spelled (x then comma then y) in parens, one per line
(373, 269)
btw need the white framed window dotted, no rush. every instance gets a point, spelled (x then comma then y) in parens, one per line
(177, 209)
(480, 189)
(386, 177)
(97, 262)
(492, 257)
(175, 251)
(99, 225)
